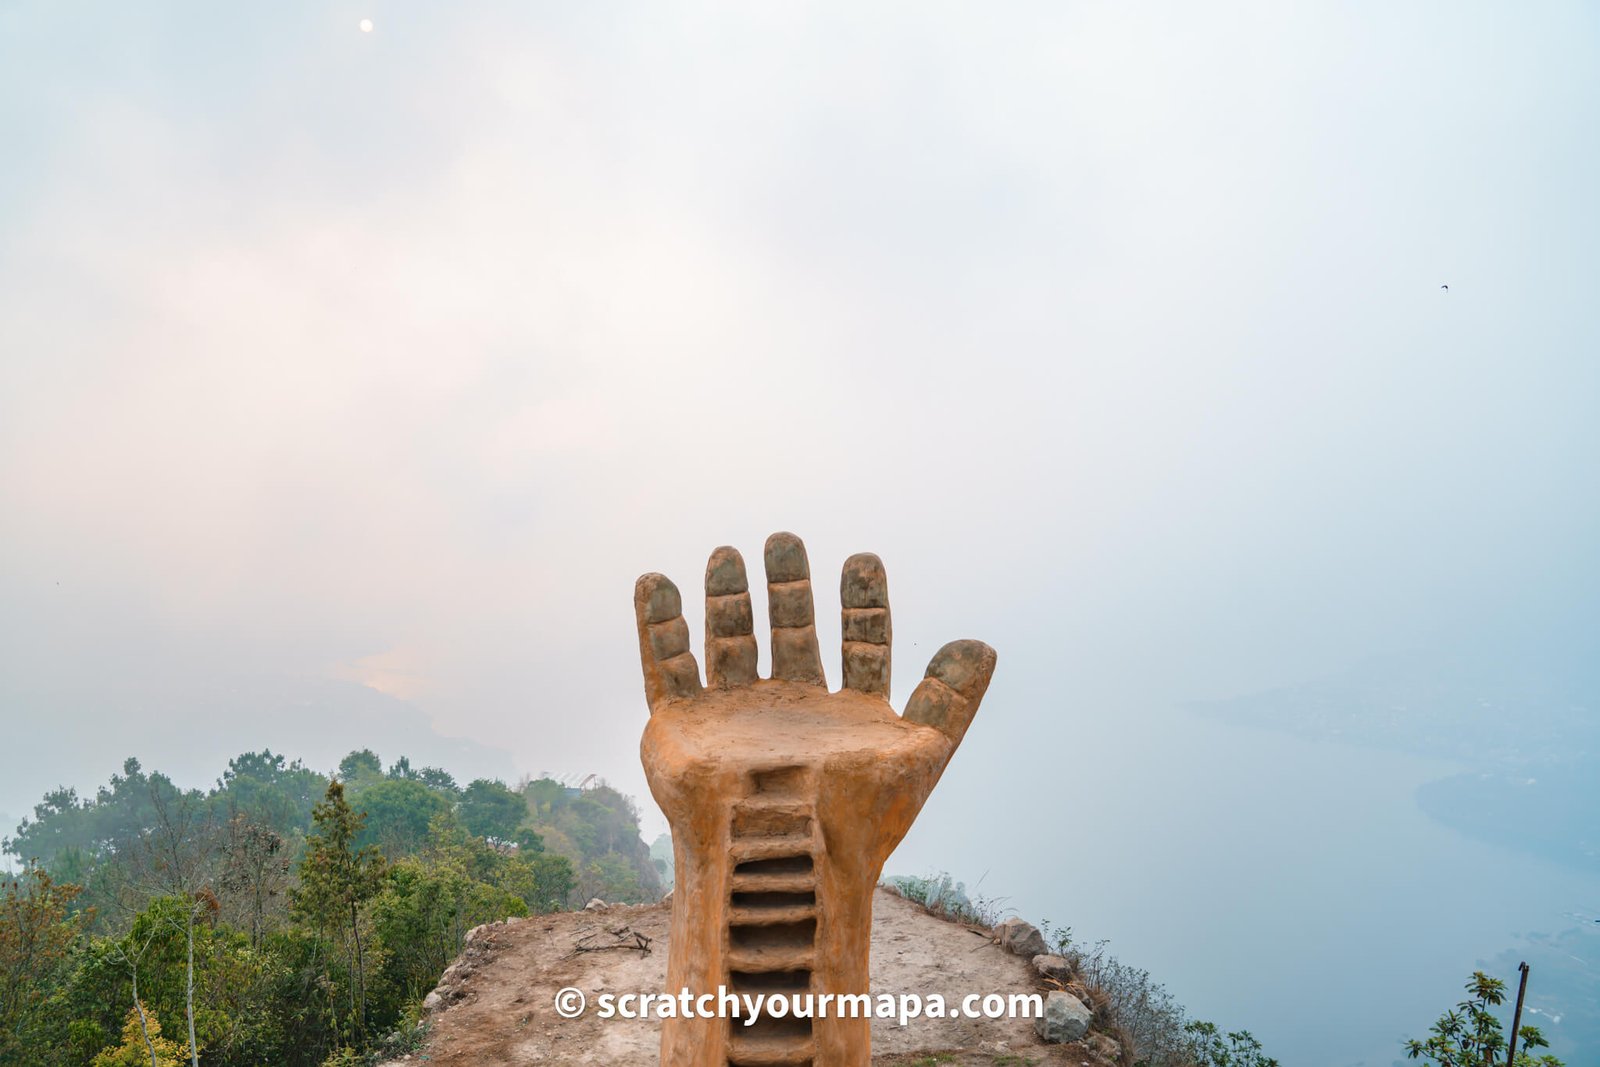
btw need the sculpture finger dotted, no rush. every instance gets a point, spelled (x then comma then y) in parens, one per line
(730, 627)
(669, 667)
(864, 611)
(948, 696)
(795, 657)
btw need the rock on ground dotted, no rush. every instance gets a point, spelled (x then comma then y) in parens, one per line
(1050, 966)
(1023, 938)
(1065, 1018)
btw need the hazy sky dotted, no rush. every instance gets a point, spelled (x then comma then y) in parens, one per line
(332, 359)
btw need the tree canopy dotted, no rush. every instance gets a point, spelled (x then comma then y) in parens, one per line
(283, 916)
(489, 809)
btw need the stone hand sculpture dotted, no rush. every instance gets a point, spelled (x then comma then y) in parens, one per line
(785, 799)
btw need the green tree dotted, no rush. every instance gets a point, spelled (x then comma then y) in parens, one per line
(597, 829)
(662, 856)
(545, 880)
(237, 1018)
(304, 995)
(174, 860)
(611, 878)
(438, 778)
(61, 823)
(398, 811)
(84, 841)
(144, 966)
(545, 796)
(360, 765)
(424, 913)
(432, 777)
(128, 807)
(270, 791)
(37, 930)
(490, 809)
(1471, 1035)
(337, 878)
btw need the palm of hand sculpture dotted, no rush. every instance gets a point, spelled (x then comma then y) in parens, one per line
(785, 799)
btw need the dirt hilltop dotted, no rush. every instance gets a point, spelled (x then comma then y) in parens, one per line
(495, 1005)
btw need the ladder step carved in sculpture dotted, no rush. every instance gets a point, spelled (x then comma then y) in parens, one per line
(772, 915)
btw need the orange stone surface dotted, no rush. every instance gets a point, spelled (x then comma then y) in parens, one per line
(785, 799)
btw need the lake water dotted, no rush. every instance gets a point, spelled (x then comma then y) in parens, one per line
(1287, 886)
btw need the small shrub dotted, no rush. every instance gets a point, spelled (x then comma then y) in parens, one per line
(142, 1043)
(1471, 1035)
(944, 897)
(1208, 1047)
(410, 1037)
(1147, 1018)
(1059, 940)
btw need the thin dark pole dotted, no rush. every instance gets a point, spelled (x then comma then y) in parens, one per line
(1516, 1017)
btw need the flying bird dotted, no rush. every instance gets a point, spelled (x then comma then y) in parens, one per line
(1444, 287)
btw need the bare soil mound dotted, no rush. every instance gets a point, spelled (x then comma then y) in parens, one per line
(496, 1004)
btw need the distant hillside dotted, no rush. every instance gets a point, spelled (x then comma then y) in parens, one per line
(1486, 709)
(1527, 727)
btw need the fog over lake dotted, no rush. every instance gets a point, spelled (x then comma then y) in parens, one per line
(1292, 885)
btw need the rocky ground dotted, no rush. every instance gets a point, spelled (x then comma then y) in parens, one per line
(495, 1005)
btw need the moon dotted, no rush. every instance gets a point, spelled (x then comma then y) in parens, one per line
(366, 25)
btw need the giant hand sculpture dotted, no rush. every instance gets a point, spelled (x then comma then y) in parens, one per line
(785, 799)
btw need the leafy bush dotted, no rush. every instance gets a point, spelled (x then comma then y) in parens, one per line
(1209, 1047)
(142, 1044)
(1471, 1036)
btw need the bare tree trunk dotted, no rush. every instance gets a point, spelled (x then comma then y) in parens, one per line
(183, 846)
(144, 1027)
(361, 972)
(256, 911)
(188, 991)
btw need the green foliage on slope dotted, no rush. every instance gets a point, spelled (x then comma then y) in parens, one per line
(283, 916)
